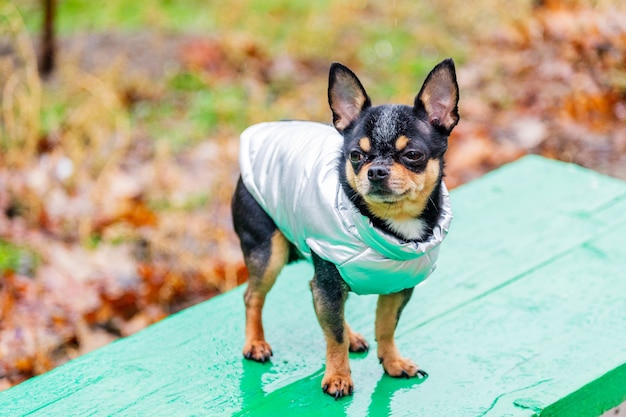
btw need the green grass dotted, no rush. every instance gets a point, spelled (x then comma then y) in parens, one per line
(391, 46)
(218, 105)
(75, 16)
(320, 28)
(16, 258)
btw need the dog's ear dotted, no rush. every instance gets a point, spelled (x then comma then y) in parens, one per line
(439, 97)
(346, 96)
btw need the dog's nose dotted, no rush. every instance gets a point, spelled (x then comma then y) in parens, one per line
(377, 173)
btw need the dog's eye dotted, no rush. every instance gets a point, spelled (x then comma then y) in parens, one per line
(356, 157)
(414, 156)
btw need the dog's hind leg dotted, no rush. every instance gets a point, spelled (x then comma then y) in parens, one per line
(388, 312)
(358, 344)
(263, 271)
(265, 251)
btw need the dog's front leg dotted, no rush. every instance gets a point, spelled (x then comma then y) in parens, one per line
(329, 296)
(388, 313)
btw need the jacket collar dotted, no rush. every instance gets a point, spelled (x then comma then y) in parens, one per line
(386, 244)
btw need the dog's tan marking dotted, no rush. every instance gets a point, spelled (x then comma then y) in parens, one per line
(358, 182)
(337, 380)
(401, 143)
(260, 282)
(350, 176)
(357, 341)
(386, 320)
(365, 144)
(413, 191)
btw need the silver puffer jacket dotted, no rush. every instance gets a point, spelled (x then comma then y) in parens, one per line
(290, 168)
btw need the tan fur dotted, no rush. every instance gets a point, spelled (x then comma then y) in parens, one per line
(386, 321)
(401, 143)
(412, 190)
(337, 374)
(350, 175)
(357, 341)
(259, 285)
(365, 144)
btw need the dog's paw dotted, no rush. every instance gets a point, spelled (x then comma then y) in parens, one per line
(402, 368)
(337, 385)
(257, 350)
(358, 343)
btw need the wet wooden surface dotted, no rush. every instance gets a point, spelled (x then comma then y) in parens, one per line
(525, 315)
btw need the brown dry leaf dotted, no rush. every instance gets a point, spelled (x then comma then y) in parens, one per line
(91, 338)
(547, 88)
(206, 55)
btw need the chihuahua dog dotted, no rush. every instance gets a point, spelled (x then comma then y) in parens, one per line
(363, 200)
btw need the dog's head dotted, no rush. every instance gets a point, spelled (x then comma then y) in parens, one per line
(394, 153)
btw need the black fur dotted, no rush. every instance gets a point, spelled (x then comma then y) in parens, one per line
(252, 224)
(254, 227)
(330, 293)
(408, 293)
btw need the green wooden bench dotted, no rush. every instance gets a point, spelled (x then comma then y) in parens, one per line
(525, 315)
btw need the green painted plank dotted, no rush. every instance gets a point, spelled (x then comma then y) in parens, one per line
(534, 257)
(462, 348)
(517, 218)
(531, 343)
(593, 398)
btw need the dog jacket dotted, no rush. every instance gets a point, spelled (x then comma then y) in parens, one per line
(290, 168)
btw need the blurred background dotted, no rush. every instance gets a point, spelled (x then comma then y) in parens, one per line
(120, 120)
